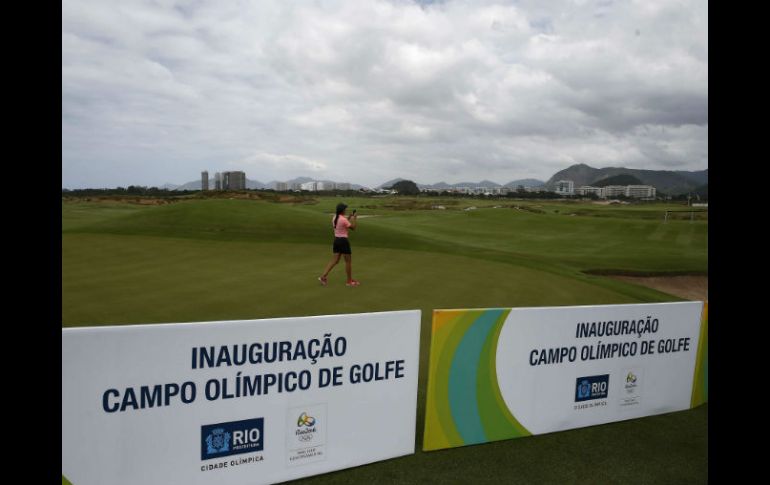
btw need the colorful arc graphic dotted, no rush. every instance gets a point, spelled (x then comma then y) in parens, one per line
(700, 385)
(465, 405)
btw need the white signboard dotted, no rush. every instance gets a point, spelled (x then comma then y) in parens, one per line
(581, 366)
(504, 373)
(240, 402)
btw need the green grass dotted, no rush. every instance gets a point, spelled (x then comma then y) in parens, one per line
(216, 259)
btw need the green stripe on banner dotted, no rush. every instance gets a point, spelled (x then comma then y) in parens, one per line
(64, 481)
(499, 423)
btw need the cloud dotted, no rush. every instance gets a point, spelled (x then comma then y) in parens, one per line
(370, 90)
(278, 165)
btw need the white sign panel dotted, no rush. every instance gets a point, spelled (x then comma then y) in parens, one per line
(501, 373)
(240, 402)
(568, 367)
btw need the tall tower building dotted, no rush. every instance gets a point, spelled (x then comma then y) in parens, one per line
(218, 181)
(205, 180)
(234, 181)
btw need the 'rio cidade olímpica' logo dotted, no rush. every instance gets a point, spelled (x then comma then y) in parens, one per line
(592, 387)
(233, 438)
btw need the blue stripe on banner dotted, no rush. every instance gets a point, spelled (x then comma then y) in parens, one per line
(462, 378)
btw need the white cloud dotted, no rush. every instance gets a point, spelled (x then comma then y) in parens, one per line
(280, 165)
(369, 90)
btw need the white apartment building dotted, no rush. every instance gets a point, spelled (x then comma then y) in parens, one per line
(614, 190)
(640, 191)
(565, 187)
(311, 186)
(587, 189)
(280, 186)
(343, 186)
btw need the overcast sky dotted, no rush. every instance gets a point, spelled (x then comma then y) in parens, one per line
(368, 90)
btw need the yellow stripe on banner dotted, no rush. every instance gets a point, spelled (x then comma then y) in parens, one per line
(700, 390)
(433, 433)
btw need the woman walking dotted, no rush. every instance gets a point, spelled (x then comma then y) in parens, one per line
(341, 246)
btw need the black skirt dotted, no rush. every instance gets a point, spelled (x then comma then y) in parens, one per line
(341, 246)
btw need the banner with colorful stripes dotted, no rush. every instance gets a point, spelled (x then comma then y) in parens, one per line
(506, 373)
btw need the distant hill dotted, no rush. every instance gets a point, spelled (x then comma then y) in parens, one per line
(299, 180)
(484, 183)
(525, 183)
(702, 191)
(389, 183)
(701, 177)
(251, 184)
(669, 182)
(623, 179)
(194, 185)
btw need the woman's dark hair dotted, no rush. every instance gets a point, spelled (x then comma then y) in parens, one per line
(340, 208)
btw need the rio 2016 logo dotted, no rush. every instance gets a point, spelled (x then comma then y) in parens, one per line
(306, 425)
(305, 420)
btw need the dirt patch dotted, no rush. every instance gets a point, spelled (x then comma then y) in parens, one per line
(689, 287)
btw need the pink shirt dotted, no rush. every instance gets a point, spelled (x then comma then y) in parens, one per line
(342, 226)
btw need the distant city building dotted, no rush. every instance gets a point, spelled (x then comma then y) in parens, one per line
(587, 189)
(614, 191)
(565, 187)
(217, 181)
(234, 181)
(205, 180)
(281, 186)
(310, 186)
(343, 186)
(640, 191)
(324, 185)
(295, 186)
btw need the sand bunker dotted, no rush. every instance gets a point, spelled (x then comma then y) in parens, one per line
(694, 288)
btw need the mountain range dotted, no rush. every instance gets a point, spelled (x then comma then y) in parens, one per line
(250, 184)
(665, 181)
(484, 183)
